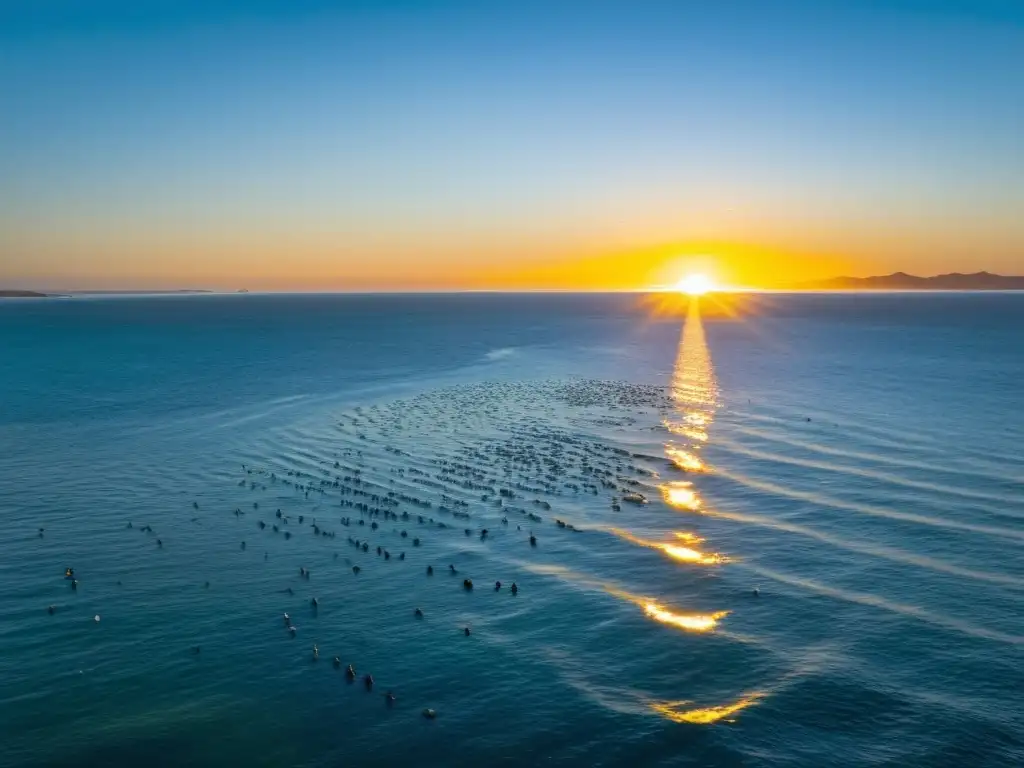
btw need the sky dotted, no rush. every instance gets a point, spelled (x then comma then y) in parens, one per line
(302, 145)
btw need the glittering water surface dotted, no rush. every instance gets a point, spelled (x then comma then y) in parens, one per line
(792, 535)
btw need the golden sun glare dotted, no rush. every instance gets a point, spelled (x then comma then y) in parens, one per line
(695, 285)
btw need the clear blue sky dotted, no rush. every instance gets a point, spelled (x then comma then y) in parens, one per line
(373, 143)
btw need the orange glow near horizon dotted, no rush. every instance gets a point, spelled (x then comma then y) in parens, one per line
(231, 259)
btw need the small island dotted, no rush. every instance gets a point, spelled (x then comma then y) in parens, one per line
(901, 281)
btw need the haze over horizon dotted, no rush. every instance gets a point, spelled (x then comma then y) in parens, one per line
(454, 145)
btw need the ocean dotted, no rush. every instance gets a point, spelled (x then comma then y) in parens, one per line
(787, 531)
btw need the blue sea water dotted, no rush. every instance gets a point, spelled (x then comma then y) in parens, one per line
(855, 459)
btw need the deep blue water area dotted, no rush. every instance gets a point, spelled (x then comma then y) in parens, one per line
(788, 534)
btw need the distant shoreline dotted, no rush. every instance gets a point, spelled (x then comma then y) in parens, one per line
(901, 281)
(22, 294)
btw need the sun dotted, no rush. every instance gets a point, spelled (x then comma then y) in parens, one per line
(695, 285)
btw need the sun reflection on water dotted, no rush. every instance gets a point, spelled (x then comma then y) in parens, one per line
(693, 622)
(675, 710)
(686, 554)
(685, 460)
(690, 538)
(681, 495)
(694, 391)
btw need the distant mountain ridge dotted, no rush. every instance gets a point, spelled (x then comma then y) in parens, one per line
(901, 281)
(17, 294)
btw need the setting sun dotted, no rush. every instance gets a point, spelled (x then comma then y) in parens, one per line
(695, 285)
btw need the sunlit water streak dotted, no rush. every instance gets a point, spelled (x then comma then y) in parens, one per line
(695, 395)
(681, 495)
(684, 712)
(885, 477)
(651, 607)
(870, 457)
(822, 500)
(685, 554)
(694, 392)
(912, 611)
(873, 549)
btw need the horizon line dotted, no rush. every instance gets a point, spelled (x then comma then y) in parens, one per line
(198, 292)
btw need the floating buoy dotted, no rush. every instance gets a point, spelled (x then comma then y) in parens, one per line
(96, 617)
(429, 714)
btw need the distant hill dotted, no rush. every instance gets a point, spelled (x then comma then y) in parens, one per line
(19, 294)
(139, 292)
(901, 281)
(11, 294)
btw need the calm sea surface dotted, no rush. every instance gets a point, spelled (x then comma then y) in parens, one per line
(793, 537)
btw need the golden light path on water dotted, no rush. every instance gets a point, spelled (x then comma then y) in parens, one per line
(685, 460)
(691, 622)
(673, 710)
(695, 394)
(686, 554)
(681, 495)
